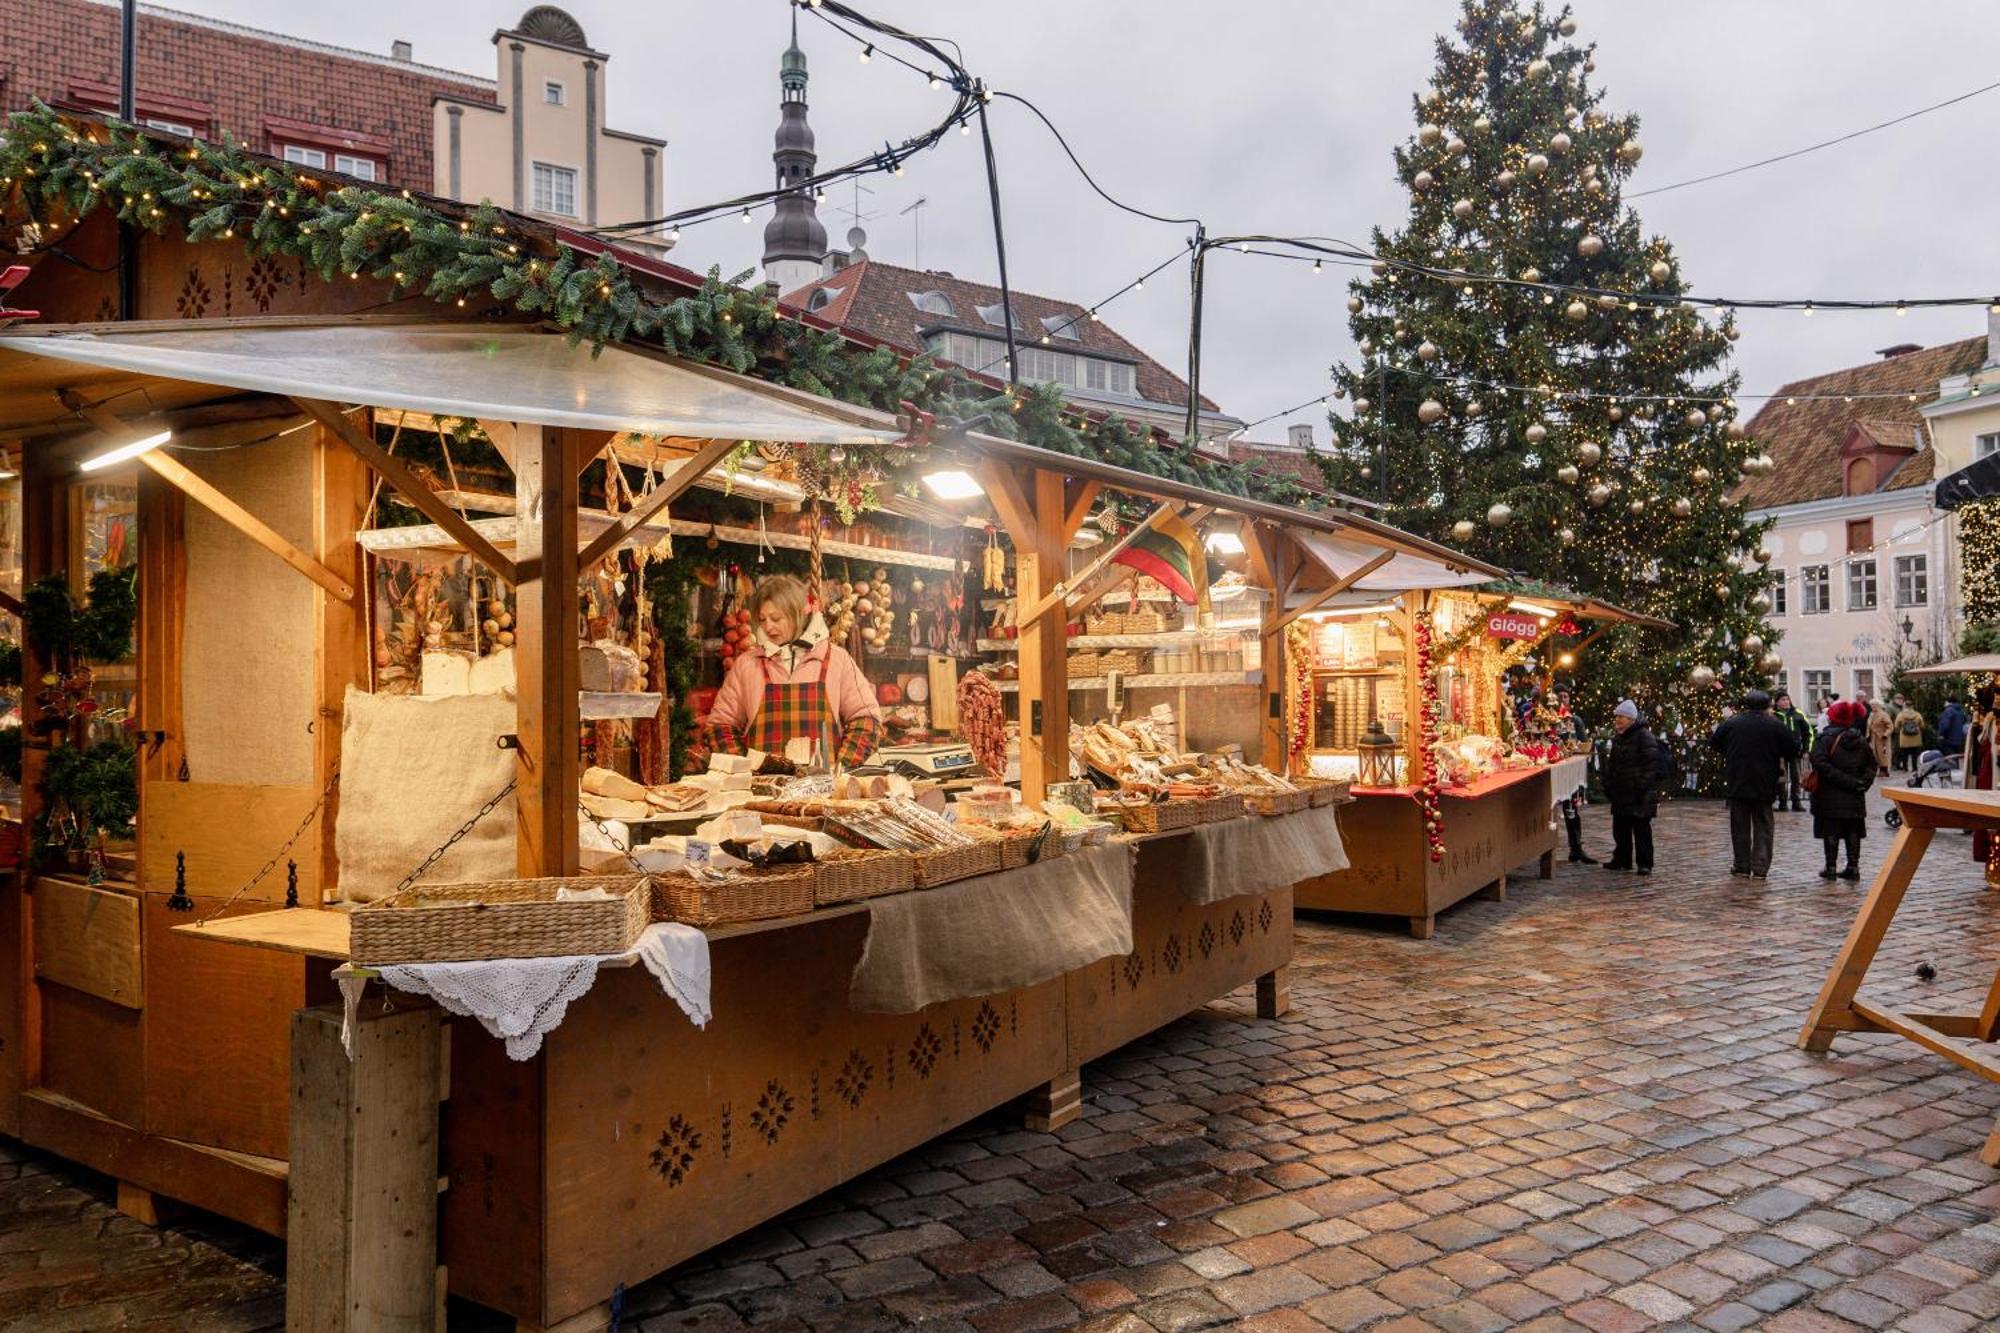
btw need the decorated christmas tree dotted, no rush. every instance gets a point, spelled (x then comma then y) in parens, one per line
(1533, 387)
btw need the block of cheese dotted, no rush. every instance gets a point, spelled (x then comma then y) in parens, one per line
(610, 807)
(607, 666)
(604, 782)
(493, 674)
(446, 673)
(730, 763)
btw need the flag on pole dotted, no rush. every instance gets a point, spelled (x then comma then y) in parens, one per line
(1170, 553)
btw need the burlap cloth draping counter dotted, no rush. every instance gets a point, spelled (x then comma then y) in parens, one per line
(1255, 854)
(995, 932)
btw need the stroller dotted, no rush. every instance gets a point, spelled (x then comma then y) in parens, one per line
(1931, 764)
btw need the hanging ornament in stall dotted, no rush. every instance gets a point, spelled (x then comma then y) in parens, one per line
(1427, 739)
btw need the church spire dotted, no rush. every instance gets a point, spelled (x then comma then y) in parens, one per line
(794, 239)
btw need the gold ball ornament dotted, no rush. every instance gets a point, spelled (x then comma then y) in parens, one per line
(1559, 144)
(1462, 209)
(1505, 180)
(1770, 664)
(1537, 164)
(1367, 347)
(1482, 123)
(1753, 644)
(1379, 267)
(1732, 333)
(1683, 507)
(1428, 133)
(1567, 27)
(1607, 302)
(1454, 146)
(1427, 350)
(1538, 68)
(1500, 515)
(1701, 677)
(1566, 536)
(1536, 433)
(1588, 454)
(1600, 495)
(1475, 408)
(1761, 556)
(1661, 270)
(1594, 187)
(1354, 304)
(1736, 430)
(1464, 529)
(1362, 405)
(1423, 180)
(1631, 151)
(1430, 411)
(1568, 474)
(1577, 312)
(1615, 412)
(1637, 506)
(1590, 246)
(1402, 333)
(1760, 603)
(1531, 274)
(1702, 476)
(1697, 418)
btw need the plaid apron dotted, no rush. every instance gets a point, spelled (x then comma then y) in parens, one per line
(793, 708)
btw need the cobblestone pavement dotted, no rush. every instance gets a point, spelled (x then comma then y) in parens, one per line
(1579, 1109)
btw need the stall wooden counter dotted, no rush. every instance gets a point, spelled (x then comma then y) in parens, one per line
(1492, 825)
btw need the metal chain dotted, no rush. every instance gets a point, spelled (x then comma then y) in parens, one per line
(279, 855)
(613, 839)
(463, 829)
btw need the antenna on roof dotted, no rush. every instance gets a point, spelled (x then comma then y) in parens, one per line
(918, 223)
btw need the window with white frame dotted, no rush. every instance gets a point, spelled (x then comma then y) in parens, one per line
(1983, 445)
(554, 93)
(1819, 684)
(555, 190)
(1864, 681)
(170, 126)
(304, 157)
(1815, 590)
(1861, 585)
(361, 168)
(1913, 580)
(1778, 592)
(1782, 684)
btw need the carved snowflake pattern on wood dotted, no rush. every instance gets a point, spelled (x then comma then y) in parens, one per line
(1135, 968)
(1264, 917)
(851, 1083)
(673, 1155)
(261, 283)
(1237, 925)
(985, 1026)
(1170, 954)
(925, 1050)
(772, 1112)
(195, 295)
(1206, 940)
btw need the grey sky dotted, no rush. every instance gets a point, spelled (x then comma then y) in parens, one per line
(1279, 115)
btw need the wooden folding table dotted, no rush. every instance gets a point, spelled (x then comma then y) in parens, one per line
(1964, 1039)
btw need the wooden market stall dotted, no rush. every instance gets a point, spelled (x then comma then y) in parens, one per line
(174, 1020)
(1401, 684)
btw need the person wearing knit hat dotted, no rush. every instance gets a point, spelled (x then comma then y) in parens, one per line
(1843, 768)
(1755, 747)
(1633, 771)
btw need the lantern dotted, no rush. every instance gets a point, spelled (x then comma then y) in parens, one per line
(1378, 752)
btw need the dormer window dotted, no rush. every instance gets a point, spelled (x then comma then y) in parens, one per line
(933, 303)
(1063, 326)
(996, 315)
(822, 297)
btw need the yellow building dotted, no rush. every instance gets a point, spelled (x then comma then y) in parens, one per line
(542, 146)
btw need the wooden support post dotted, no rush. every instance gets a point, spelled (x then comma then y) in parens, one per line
(1273, 565)
(1274, 992)
(361, 1222)
(1056, 1103)
(162, 603)
(545, 651)
(209, 497)
(1864, 937)
(1422, 927)
(685, 476)
(138, 1204)
(594, 1320)
(1032, 507)
(341, 486)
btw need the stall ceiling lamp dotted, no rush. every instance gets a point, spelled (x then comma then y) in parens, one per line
(952, 484)
(1225, 542)
(1342, 612)
(1533, 609)
(110, 457)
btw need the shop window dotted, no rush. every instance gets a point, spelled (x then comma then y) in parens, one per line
(1815, 590)
(1861, 585)
(1913, 580)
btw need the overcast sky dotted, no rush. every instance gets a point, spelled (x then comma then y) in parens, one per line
(1279, 116)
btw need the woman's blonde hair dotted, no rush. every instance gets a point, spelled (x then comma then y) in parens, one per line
(787, 594)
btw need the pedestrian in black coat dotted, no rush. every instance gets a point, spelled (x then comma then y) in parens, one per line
(1755, 746)
(1843, 765)
(1637, 765)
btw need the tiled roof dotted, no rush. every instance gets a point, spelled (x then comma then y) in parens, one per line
(1279, 460)
(241, 78)
(874, 298)
(1805, 438)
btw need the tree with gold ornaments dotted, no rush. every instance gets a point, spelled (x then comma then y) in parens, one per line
(1533, 388)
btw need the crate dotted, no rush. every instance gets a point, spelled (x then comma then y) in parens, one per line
(754, 895)
(851, 876)
(518, 918)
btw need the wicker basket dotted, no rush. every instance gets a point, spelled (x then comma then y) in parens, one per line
(847, 877)
(1165, 816)
(1018, 849)
(519, 918)
(1324, 791)
(758, 895)
(1277, 802)
(953, 863)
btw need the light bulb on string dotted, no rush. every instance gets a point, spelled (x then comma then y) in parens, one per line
(1808, 310)
(867, 53)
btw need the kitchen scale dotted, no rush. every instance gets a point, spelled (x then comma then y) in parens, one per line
(947, 759)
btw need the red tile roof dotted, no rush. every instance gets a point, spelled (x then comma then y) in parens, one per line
(874, 298)
(232, 78)
(1805, 438)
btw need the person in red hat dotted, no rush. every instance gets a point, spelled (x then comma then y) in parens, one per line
(1843, 769)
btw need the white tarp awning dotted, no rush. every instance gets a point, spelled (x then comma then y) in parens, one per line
(505, 373)
(1977, 664)
(1403, 573)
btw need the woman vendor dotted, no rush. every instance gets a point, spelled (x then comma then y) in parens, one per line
(794, 682)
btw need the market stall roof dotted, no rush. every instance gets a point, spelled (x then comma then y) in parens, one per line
(1593, 608)
(506, 372)
(1450, 565)
(1977, 480)
(1403, 572)
(1960, 666)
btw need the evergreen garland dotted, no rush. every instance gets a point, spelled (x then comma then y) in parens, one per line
(56, 171)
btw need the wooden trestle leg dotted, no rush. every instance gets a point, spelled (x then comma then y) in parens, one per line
(1057, 1102)
(1274, 993)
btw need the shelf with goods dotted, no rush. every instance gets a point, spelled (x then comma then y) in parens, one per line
(1152, 680)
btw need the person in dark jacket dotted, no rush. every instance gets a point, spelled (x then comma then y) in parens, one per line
(1953, 723)
(1637, 765)
(1843, 763)
(1754, 748)
(1802, 732)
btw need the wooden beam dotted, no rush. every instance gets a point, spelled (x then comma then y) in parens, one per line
(11, 604)
(683, 479)
(1044, 641)
(1334, 589)
(209, 497)
(1269, 557)
(1061, 590)
(1864, 937)
(501, 434)
(1088, 595)
(590, 443)
(426, 500)
(1079, 507)
(1010, 502)
(545, 653)
(342, 486)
